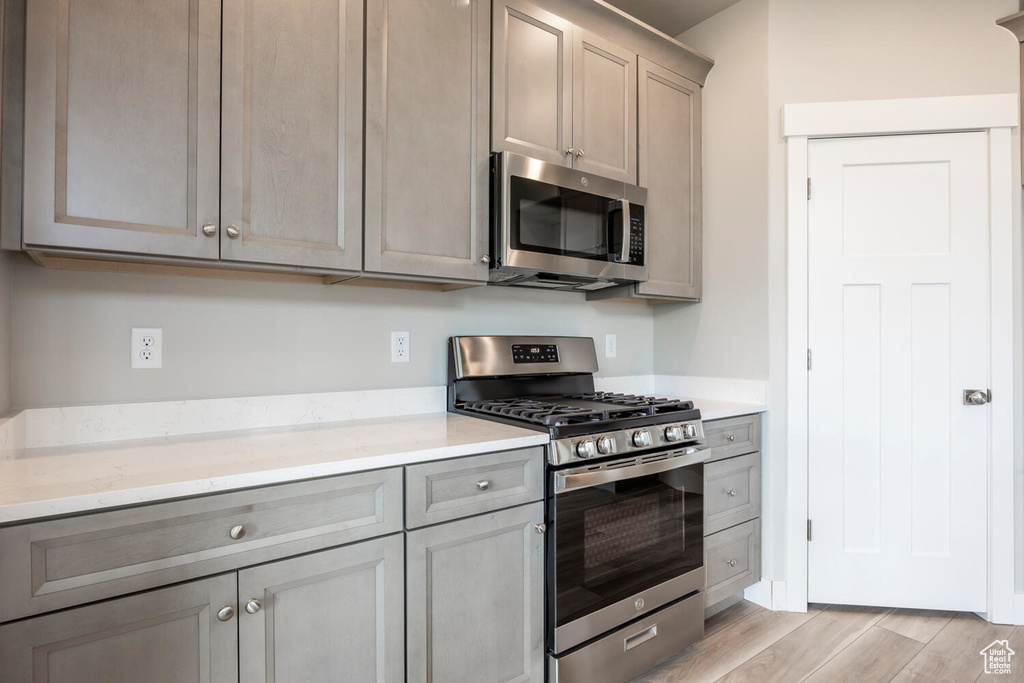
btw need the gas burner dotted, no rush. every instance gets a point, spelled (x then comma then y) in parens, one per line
(658, 405)
(573, 409)
(537, 411)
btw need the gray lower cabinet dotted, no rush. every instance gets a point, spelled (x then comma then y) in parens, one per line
(171, 635)
(475, 592)
(333, 615)
(427, 152)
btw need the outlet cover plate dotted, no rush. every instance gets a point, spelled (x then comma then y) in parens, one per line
(611, 346)
(147, 348)
(400, 346)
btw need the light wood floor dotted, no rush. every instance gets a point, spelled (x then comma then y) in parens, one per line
(833, 644)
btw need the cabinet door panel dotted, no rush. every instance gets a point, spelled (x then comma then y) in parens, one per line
(604, 107)
(333, 615)
(122, 125)
(476, 599)
(172, 635)
(669, 167)
(427, 159)
(292, 149)
(532, 90)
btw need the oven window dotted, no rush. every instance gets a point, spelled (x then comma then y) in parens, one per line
(555, 220)
(616, 540)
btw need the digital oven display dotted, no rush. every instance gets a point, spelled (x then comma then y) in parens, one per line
(534, 353)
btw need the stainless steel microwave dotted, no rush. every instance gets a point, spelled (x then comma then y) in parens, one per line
(559, 228)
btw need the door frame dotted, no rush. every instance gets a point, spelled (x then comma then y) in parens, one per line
(994, 115)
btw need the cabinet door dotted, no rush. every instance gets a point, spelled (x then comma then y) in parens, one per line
(669, 167)
(532, 89)
(604, 107)
(427, 160)
(333, 615)
(476, 599)
(172, 635)
(122, 119)
(292, 133)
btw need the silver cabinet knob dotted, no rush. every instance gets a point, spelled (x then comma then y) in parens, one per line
(732, 493)
(226, 612)
(483, 485)
(485, 259)
(209, 229)
(253, 606)
(233, 231)
(579, 153)
(730, 437)
(540, 528)
(976, 397)
(237, 532)
(569, 151)
(585, 449)
(731, 563)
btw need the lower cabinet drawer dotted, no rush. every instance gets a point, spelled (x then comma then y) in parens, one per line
(732, 560)
(732, 492)
(61, 563)
(732, 436)
(633, 649)
(451, 489)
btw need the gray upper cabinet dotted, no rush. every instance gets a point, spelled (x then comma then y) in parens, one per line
(122, 118)
(604, 107)
(475, 592)
(291, 174)
(427, 153)
(172, 635)
(532, 82)
(562, 94)
(334, 615)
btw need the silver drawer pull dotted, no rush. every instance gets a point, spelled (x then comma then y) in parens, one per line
(237, 532)
(483, 485)
(731, 563)
(730, 437)
(226, 613)
(732, 493)
(253, 606)
(640, 638)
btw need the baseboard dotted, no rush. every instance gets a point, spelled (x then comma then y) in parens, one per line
(760, 594)
(779, 600)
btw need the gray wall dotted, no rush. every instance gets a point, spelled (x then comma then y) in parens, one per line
(226, 338)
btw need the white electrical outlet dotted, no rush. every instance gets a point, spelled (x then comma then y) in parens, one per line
(147, 348)
(400, 347)
(610, 346)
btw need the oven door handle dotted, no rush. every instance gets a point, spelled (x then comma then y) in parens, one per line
(574, 479)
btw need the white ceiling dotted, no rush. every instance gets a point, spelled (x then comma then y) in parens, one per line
(672, 16)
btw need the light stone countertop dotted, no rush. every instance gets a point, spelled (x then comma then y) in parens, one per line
(719, 410)
(44, 482)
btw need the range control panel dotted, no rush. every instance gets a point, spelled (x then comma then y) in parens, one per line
(534, 353)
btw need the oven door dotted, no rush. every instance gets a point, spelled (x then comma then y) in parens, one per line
(626, 537)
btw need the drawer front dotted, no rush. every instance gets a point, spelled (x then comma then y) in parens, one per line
(734, 436)
(451, 489)
(60, 563)
(732, 492)
(732, 559)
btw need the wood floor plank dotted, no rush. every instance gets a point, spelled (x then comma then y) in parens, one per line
(730, 615)
(803, 651)
(875, 657)
(728, 648)
(920, 624)
(952, 655)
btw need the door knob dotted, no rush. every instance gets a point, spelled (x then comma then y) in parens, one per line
(233, 231)
(976, 397)
(209, 229)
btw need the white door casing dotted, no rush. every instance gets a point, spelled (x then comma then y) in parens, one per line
(898, 325)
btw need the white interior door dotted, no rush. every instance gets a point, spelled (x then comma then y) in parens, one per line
(898, 325)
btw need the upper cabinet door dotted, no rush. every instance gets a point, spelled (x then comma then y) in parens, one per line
(292, 133)
(427, 158)
(669, 167)
(532, 90)
(604, 107)
(122, 118)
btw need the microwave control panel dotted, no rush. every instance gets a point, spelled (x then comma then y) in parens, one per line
(636, 235)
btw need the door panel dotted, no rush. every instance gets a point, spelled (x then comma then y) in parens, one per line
(898, 325)
(172, 635)
(292, 155)
(122, 125)
(333, 615)
(604, 107)
(533, 76)
(427, 158)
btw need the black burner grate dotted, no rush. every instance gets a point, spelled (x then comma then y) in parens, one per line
(550, 412)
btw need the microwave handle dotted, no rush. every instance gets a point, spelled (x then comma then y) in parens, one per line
(627, 232)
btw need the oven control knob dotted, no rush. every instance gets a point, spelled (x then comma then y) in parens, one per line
(674, 433)
(691, 430)
(585, 449)
(642, 439)
(606, 445)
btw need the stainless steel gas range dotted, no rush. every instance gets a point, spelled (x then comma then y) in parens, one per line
(624, 502)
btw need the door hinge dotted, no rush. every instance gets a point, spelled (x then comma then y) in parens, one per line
(808, 530)
(808, 359)
(808, 189)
